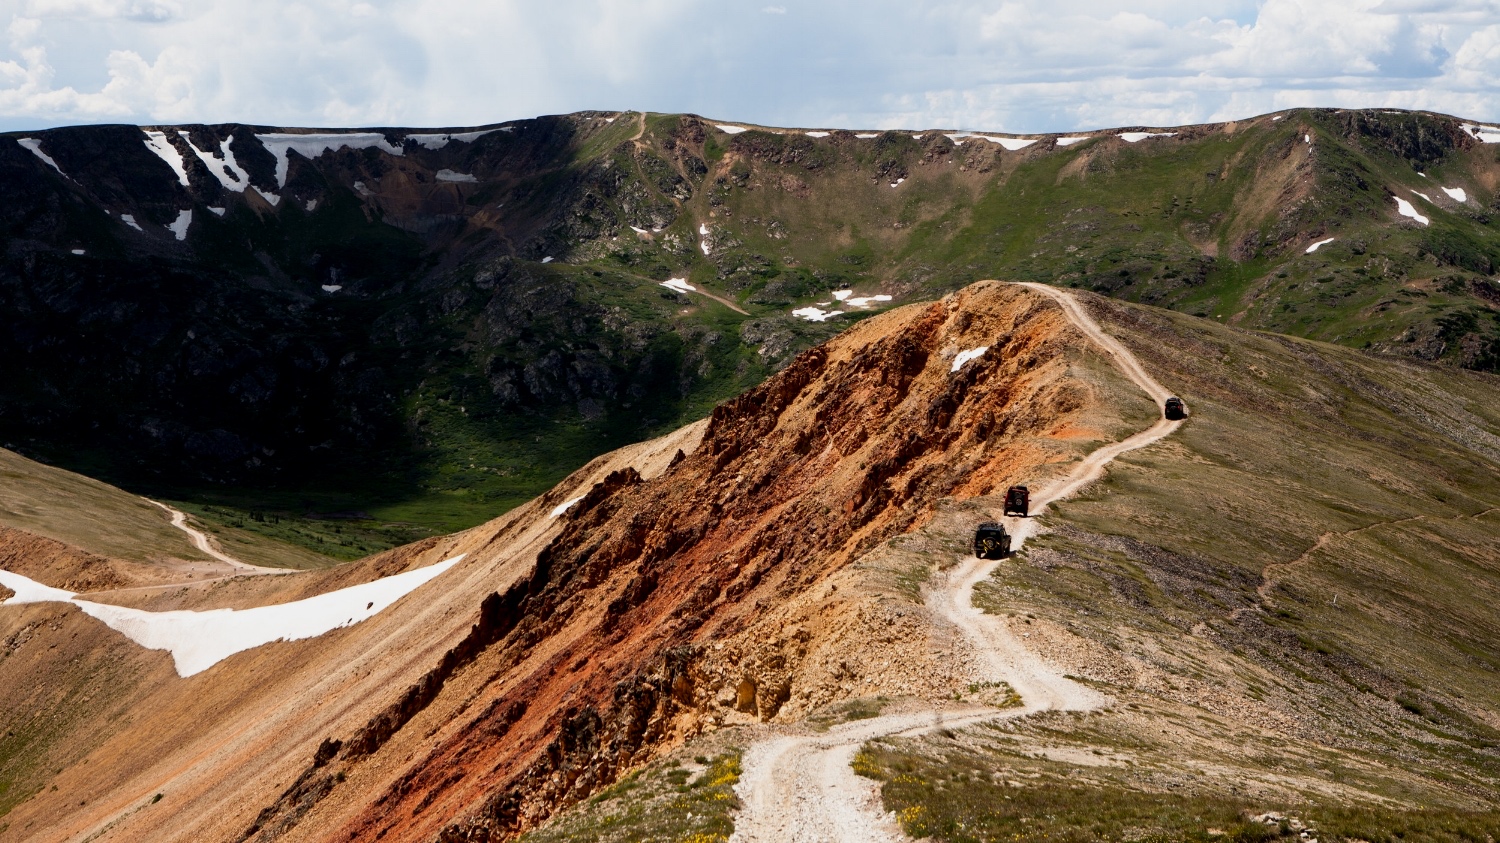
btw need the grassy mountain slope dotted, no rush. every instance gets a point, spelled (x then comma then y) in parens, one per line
(499, 319)
(1288, 602)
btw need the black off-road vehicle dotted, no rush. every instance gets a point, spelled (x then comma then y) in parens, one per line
(1017, 500)
(991, 541)
(1175, 409)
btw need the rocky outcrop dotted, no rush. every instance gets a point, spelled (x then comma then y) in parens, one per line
(698, 597)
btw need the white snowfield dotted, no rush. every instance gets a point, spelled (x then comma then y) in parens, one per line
(449, 175)
(217, 211)
(897, 182)
(1321, 243)
(816, 314)
(1424, 196)
(441, 139)
(1457, 194)
(129, 219)
(816, 134)
(1071, 141)
(866, 301)
(332, 288)
(965, 356)
(157, 142)
(680, 285)
(78, 251)
(35, 145)
(200, 640)
(703, 233)
(867, 135)
(313, 145)
(272, 198)
(567, 505)
(1407, 209)
(1483, 134)
(225, 169)
(1136, 137)
(730, 130)
(179, 226)
(840, 295)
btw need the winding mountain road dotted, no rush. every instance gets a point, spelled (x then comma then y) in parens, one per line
(202, 541)
(802, 788)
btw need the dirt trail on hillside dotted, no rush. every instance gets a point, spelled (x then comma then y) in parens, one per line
(803, 788)
(202, 541)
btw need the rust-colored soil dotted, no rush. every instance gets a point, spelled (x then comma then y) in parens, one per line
(695, 584)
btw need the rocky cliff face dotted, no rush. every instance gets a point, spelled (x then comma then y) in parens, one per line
(723, 590)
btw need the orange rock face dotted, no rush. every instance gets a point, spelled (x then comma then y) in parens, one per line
(721, 589)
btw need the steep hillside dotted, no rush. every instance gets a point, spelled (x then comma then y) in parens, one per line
(411, 330)
(731, 582)
(1281, 607)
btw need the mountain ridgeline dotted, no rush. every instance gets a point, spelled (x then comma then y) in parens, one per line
(434, 326)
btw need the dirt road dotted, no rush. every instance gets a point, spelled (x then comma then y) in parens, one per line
(802, 788)
(202, 541)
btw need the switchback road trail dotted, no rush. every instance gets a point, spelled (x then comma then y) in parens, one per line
(801, 788)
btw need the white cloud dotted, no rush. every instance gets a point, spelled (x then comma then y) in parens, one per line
(1020, 65)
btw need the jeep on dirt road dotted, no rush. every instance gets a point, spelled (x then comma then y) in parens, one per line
(991, 541)
(1017, 500)
(1174, 409)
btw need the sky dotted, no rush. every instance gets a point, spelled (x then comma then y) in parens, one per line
(1024, 66)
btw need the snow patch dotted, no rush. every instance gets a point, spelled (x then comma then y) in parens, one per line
(157, 143)
(638, 230)
(1277, 117)
(1071, 141)
(864, 301)
(1424, 196)
(703, 233)
(312, 205)
(449, 175)
(200, 640)
(816, 134)
(1314, 247)
(225, 169)
(547, 259)
(1136, 137)
(218, 211)
(274, 199)
(359, 187)
(312, 145)
(1307, 138)
(332, 288)
(965, 356)
(816, 314)
(564, 506)
(31, 591)
(179, 226)
(78, 251)
(441, 139)
(1483, 134)
(1406, 209)
(867, 135)
(1011, 144)
(897, 182)
(840, 295)
(35, 145)
(129, 219)
(680, 285)
(1457, 194)
(730, 130)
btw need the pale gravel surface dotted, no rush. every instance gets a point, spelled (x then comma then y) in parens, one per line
(801, 788)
